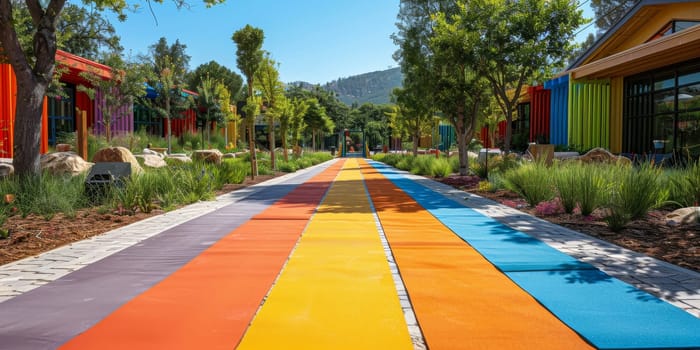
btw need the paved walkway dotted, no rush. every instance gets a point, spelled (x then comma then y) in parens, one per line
(105, 288)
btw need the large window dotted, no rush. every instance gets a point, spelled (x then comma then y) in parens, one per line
(61, 115)
(662, 111)
(673, 27)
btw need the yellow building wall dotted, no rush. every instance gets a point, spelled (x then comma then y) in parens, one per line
(616, 102)
(645, 24)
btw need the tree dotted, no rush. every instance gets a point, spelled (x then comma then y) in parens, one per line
(272, 89)
(528, 39)
(229, 111)
(117, 93)
(229, 78)
(317, 120)
(249, 56)
(608, 12)
(416, 98)
(460, 88)
(84, 32)
(297, 110)
(34, 68)
(209, 105)
(172, 57)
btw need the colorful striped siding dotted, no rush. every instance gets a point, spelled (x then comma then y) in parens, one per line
(122, 120)
(188, 123)
(8, 90)
(558, 125)
(589, 117)
(539, 112)
(616, 100)
(8, 104)
(500, 134)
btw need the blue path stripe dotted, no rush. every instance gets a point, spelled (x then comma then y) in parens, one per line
(606, 311)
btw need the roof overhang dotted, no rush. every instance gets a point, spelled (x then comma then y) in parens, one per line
(675, 48)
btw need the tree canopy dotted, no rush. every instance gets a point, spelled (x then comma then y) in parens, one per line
(33, 65)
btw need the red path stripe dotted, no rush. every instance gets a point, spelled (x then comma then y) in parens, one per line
(209, 302)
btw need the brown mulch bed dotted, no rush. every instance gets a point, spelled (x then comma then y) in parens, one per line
(35, 234)
(678, 245)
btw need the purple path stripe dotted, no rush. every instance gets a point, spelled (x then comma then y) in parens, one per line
(48, 316)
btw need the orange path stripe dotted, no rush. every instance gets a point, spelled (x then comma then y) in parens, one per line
(461, 301)
(209, 302)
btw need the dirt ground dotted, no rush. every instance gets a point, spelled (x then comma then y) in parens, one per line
(679, 245)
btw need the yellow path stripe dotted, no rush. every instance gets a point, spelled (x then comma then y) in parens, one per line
(336, 291)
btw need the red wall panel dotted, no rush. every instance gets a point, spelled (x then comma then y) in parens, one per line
(539, 113)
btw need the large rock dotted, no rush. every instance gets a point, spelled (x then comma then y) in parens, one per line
(117, 154)
(208, 155)
(60, 163)
(183, 158)
(600, 155)
(152, 160)
(683, 216)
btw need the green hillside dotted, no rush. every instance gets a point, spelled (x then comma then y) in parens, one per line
(374, 87)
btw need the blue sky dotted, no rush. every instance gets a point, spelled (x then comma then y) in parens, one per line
(313, 40)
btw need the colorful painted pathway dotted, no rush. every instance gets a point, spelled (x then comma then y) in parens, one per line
(351, 254)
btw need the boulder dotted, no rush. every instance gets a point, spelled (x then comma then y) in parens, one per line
(6, 169)
(179, 157)
(117, 154)
(152, 152)
(152, 160)
(683, 216)
(208, 155)
(600, 155)
(59, 163)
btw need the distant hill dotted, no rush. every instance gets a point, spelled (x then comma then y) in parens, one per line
(374, 87)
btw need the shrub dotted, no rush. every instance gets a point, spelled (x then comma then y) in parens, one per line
(684, 185)
(421, 165)
(46, 195)
(633, 193)
(531, 181)
(592, 187)
(405, 163)
(566, 181)
(440, 167)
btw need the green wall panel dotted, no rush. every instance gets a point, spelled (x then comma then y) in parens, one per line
(589, 111)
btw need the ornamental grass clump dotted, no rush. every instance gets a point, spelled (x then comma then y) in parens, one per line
(532, 182)
(440, 167)
(684, 185)
(422, 165)
(46, 194)
(581, 185)
(565, 180)
(633, 192)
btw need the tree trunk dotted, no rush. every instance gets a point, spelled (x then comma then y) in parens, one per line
(168, 130)
(283, 131)
(509, 130)
(32, 81)
(313, 140)
(463, 154)
(251, 146)
(27, 131)
(271, 141)
(416, 141)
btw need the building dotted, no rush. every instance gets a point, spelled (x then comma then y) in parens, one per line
(60, 112)
(635, 91)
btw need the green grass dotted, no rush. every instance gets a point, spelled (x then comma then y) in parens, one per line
(532, 181)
